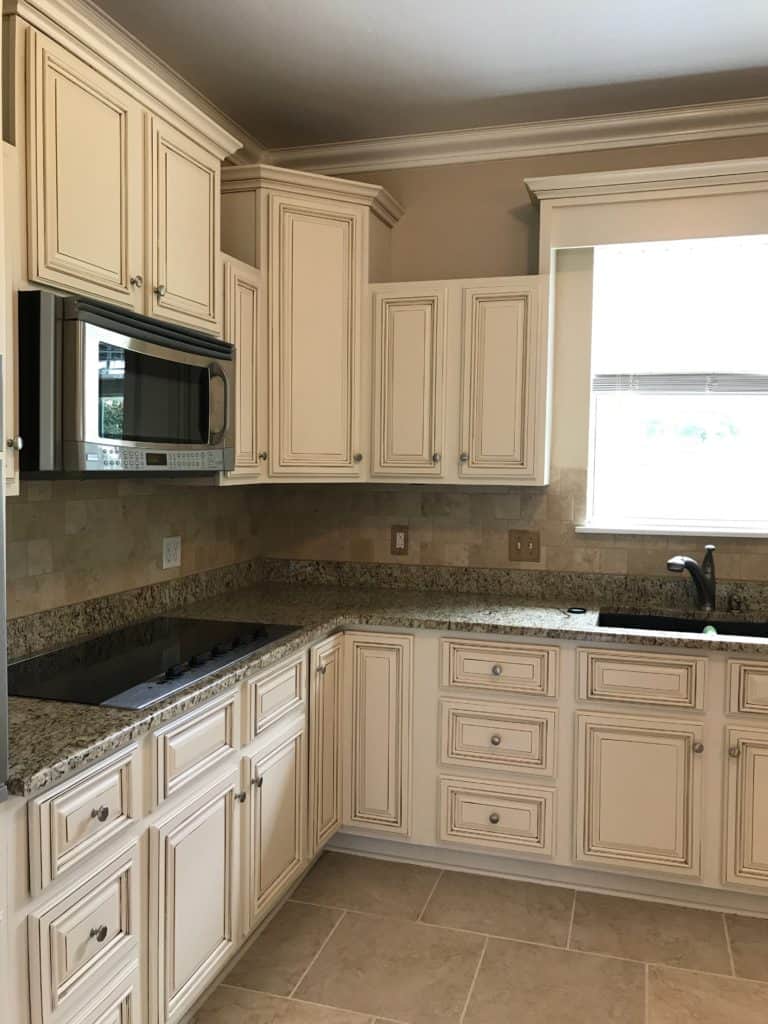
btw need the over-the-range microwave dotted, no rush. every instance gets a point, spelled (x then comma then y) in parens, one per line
(104, 389)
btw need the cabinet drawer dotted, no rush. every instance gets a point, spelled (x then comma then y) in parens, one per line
(72, 820)
(498, 735)
(191, 746)
(667, 680)
(498, 815)
(79, 940)
(275, 694)
(748, 686)
(494, 665)
(119, 1006)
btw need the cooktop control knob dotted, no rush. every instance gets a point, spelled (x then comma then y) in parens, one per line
(174, 671)
(199, 659)
(221, 648)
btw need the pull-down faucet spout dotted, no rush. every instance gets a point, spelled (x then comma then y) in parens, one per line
(703, 576)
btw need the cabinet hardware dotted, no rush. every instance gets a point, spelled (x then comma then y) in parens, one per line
(101, 813)
(137, 280)
(734, 751)
(698, 748)
(496, 741)
(494, 818)
(322, 669)
(263, 456)
(161, 290)
(241, 797)
(464, 457)
(99, 933)
(436, 457)
(16, 443)
(497, 670)
(258, 781)
(357, 457)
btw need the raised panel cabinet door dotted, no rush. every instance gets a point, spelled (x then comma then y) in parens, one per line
(503, 388)
(316, 263)
(408, 381)
(194, 870)
(638, 793)
(746, 826)
(277, 780)
(242, 327)
(378, 736)
(184, 237)
(85, 178)
(325, 724)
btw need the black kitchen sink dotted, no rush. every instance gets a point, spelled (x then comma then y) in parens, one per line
(675, 624)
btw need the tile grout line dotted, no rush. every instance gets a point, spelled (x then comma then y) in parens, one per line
(314, 959)
(728, 944)
(308, 1002)
(431, 894)
(570, 925)
(646, 992)
(474, 980)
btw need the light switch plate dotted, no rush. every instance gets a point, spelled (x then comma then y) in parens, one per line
(524, 546)
(398, 544)
(171, 552)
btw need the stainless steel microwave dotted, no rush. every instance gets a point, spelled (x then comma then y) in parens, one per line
(103, 389)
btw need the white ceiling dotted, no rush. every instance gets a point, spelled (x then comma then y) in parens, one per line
(296, 72)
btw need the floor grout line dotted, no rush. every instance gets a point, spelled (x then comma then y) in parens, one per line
(431, 894)
(314, 959)
(646, 993)
(309, 1002)
(570, 924)
(728, 944)
(474, 981)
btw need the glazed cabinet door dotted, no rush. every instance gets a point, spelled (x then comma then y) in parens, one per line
(276, 778)
(409, 350)
(746, 825)
(194, 871)
(638, 793)
(503, 385)
(243, 313)
(378, 668)
(317, 262)
(184, 235)
(325, 705)
(85, 178)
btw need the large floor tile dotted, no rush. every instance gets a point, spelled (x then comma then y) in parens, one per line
(396, 969)
(238, 1006)
(280, 955)
(371, 886)
(684, 997)
(538, 985)
(515, 910)
(749, 943)
(657, 932)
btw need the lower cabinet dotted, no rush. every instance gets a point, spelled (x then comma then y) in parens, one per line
(746, 825)
(325, 767)
(193, 908)
(121, 1004)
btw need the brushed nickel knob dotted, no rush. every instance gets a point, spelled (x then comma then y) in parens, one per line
(16, 443)
(497, 670)
(241, 797)
(464, 457)
(698, 748)
(263, 456)
(322, 669)
(161, 290)
(100, 813)
(137, 280)
(494, 818)
(496, 741)
(99, 933)
(436, 457)
(734, 751)
(258, 781)
(357, 457)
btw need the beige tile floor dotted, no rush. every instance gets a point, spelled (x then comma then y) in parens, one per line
(372, 942)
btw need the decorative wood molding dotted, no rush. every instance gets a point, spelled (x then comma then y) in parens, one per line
(80, 26)
(692, 123)
(318, 186)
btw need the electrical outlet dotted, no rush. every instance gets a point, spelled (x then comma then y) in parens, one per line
(171, 552)
(399, 540)
(524, 546)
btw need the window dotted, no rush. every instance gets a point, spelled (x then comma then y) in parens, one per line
(679, 404)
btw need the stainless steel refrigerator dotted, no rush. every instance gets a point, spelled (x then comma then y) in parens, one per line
(3, 621)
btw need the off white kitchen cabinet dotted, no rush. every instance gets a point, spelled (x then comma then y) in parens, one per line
(746, 818)
(379, 711)
(325, 725)
(638, 793)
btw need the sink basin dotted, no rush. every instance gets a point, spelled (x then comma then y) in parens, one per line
(671, 623)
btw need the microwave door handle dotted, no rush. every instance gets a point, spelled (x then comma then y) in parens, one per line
(216, 436)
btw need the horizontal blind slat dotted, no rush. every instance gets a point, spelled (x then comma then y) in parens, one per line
(682, 383)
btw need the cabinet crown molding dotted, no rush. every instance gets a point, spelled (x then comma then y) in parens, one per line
(318, 186)
(81, 26)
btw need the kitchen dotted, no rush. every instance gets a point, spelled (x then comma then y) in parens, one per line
(386, 601)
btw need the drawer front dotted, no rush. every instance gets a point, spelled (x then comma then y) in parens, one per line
(119, 1006)
(78, 942)
(497, 815)
(71, 821)
(748, 687)
(666, 680)
(503, 667)
(190, 747)
(276, 693)
(499, 736)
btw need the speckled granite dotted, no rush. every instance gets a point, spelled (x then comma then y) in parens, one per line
(49, 741)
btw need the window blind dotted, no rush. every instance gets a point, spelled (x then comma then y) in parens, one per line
(682, 383)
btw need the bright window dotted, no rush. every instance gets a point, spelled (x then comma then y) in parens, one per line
(679, 406)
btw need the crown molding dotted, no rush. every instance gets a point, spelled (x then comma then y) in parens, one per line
(81, 26)
(541, 138)
(319, 186)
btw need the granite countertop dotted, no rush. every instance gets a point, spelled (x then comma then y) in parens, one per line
(50, 740)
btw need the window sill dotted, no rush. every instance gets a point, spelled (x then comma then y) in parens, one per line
(675, 529)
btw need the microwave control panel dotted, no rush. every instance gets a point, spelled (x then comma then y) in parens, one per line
(115, 458)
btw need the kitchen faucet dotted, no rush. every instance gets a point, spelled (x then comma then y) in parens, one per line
(703, 576)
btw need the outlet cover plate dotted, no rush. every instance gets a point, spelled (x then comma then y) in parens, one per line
(524, 546)
(398, 544)
(171, 552)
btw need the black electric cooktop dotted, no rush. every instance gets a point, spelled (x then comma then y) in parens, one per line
(141, 664)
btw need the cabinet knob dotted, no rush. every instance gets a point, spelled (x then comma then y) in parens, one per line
(161, 290)
(494, 818)
(698, 748)
(263, 456)
(137, 280)
(357, 457)
(321, 669)
(241, 797)
(464, 457)
(497, 670)
(100, 813)
(16, 443)
(258, 781)
(99, 933)
(734, 751)
(436, 457)
(496, 741)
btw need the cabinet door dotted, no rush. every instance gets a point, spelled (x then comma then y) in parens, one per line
(85, 178)
(408, 380)
(277, 780)
(194, 868)
(184, 215)
(242, 326)
(317, 253)
(378, 744)
(638, 793)
(746, 825)
(325, 796)
(503, 404)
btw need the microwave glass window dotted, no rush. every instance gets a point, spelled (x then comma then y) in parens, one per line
(143, 398)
